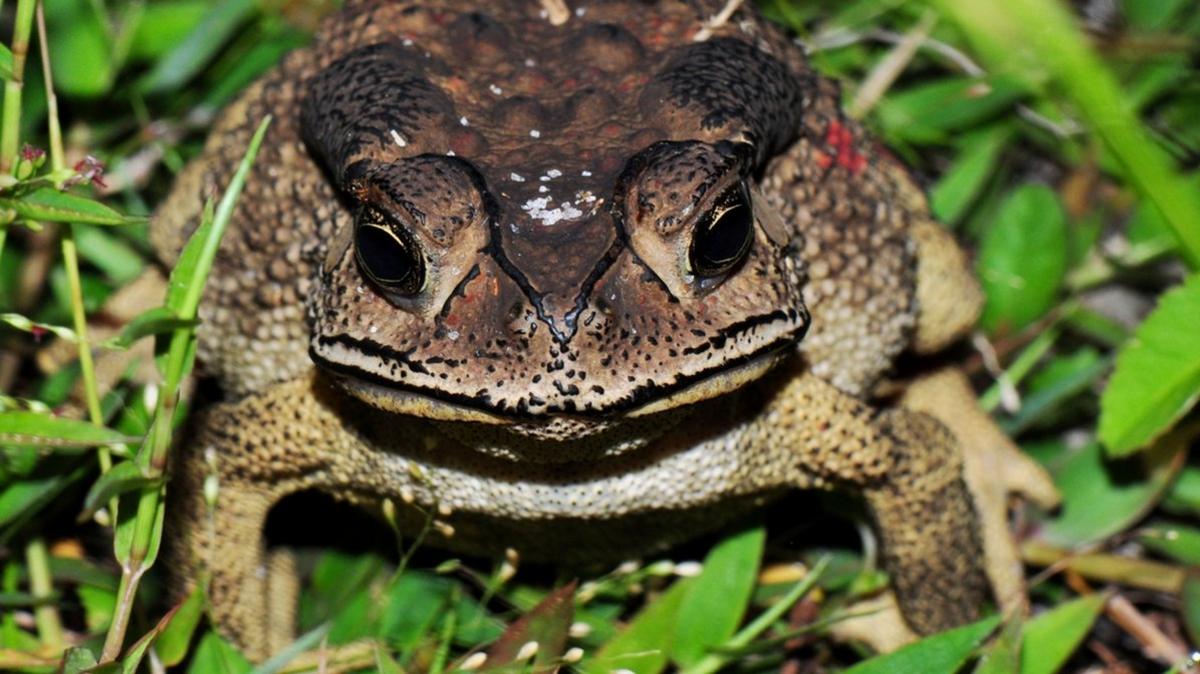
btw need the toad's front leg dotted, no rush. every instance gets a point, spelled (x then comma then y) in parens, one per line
(908, 468)
(285, 439)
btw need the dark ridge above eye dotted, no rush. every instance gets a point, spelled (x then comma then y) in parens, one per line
(732, 84)
(389, 258)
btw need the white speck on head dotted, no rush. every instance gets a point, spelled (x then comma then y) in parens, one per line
(463, 120)
(540, 209)
(529, 63)
(450, 153)
(453, 335)
(553, 173)
(359, 290)
(543, 189)
(512, 226)
(398, 138)
(495, 89)
(580, 11)
(586, 174)
(516, 177)
(373, 329)
(534, 133)
(406, 42)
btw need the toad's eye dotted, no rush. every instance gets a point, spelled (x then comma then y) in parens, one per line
(722, 238)
(390, 258)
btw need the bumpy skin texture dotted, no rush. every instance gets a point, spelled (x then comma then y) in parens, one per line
(564, 381)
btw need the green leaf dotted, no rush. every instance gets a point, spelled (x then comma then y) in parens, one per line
(545, 624)
(173, 641)
(928, 113)
(1157, 375)
(44, 430)
(195, 51)
(960, 186)
(643, 646)
(1190, 598)
(77, 660)
(105, 248)
(944, 652)
(1050, 638)
(80, 52)
(124, 477)
(415, 601)
(717, 600)
(214, 655)
(1178, 541)
(1003, 655)
(1022, 259)
(156, 321)
(165, 25)
(6, 63)
(1101, 498)
(48, 204)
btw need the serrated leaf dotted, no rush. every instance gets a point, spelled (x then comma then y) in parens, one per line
(717, 600)
(48, 204)
(156, 321)
(1050, 638)
(643, 646)
(1022, 259)
(124, 477)
(1157, 375)
(944, 652)
(43, 430)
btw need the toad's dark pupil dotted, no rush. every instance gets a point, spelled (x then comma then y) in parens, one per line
(723, 237)
(390, 259)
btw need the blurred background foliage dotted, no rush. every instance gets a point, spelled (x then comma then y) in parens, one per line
(1059, 140)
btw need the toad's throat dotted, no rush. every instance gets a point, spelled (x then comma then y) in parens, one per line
(334, 354)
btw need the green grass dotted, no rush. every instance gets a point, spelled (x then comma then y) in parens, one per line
(1065, 157)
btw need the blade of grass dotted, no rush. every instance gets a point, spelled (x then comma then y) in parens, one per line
(137, 548)
(1053, 39)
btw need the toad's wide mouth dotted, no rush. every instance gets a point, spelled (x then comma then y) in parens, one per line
(650, 399)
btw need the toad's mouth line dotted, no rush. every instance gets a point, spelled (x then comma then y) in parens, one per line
(430, 403)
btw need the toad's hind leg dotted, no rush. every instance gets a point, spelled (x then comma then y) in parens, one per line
(908, 468)
(928, 526)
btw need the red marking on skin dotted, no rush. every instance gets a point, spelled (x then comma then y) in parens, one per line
(822, 159)
(452, 321)
(841, 140)
(38, 332)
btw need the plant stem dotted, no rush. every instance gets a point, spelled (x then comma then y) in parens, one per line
(45, 614)
(70, 252)
(10, 125)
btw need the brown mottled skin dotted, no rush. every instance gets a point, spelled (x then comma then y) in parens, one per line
(602, 352)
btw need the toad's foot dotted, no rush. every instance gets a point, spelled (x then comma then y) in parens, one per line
(993, 468)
